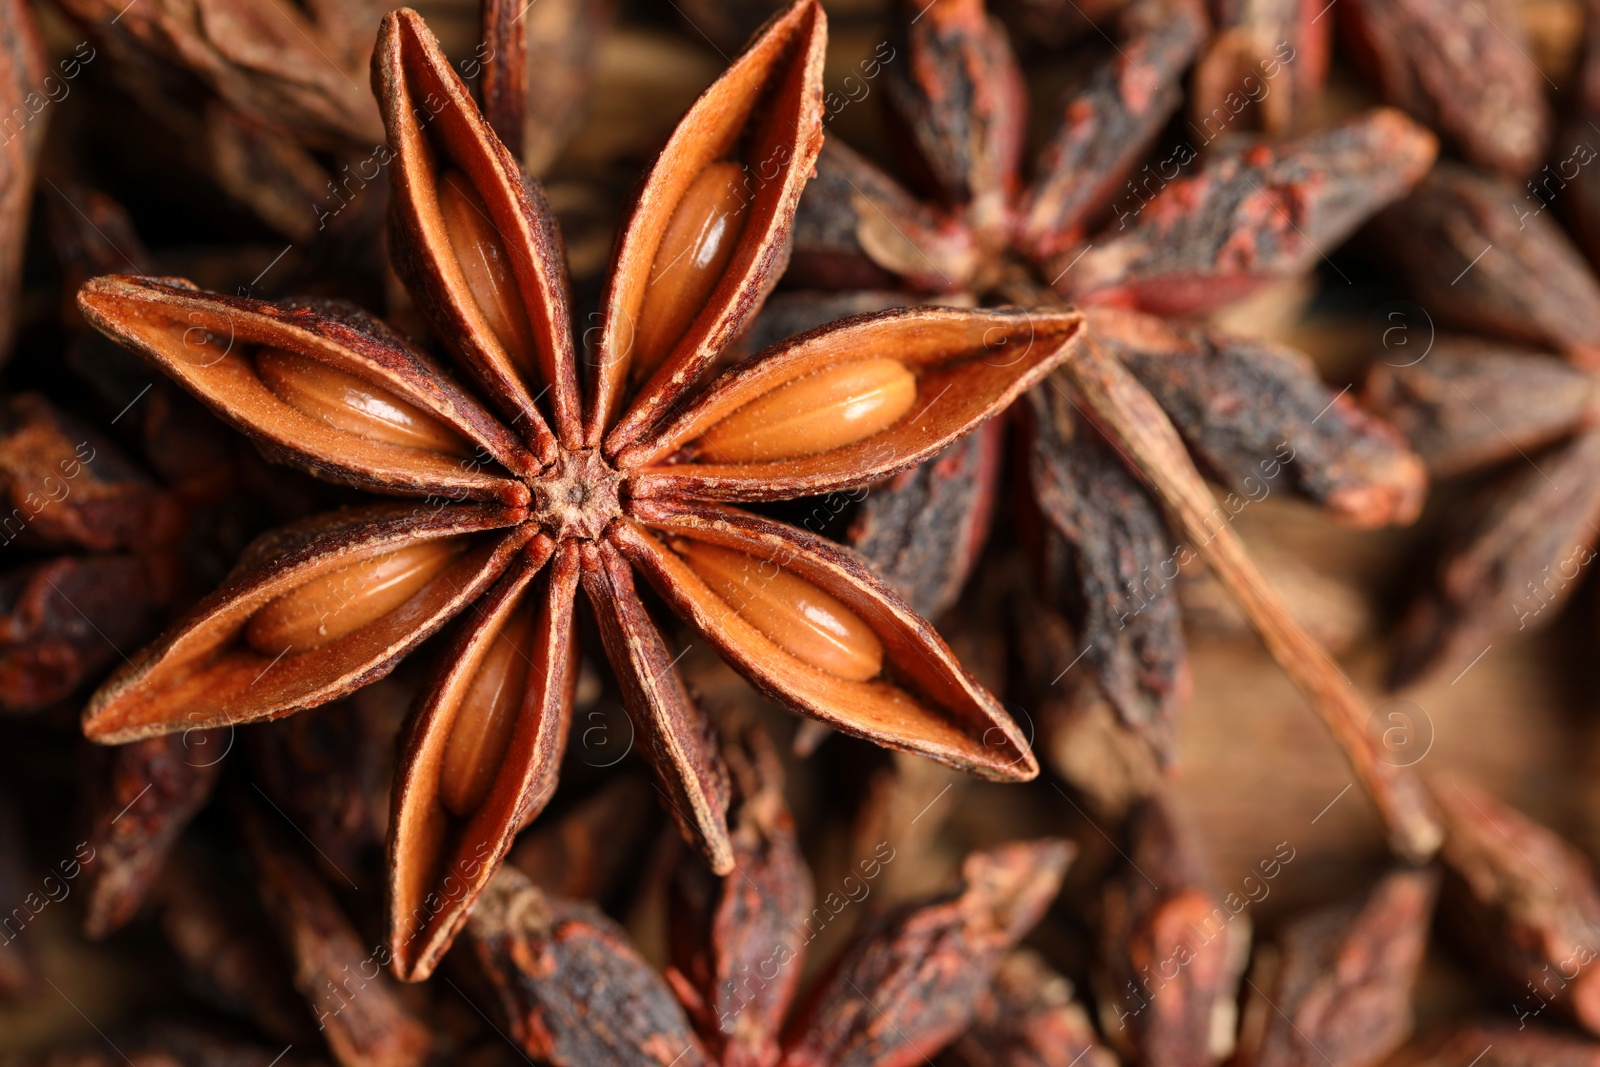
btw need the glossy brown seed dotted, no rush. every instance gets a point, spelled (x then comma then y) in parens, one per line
(484, 263)
(809, 624)
(343, 600)
(483, 726)
(695, 248)
(352, 404)
(837, 406)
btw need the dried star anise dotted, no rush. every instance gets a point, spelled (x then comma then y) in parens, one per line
(1464, 70)
(1477, 403)
(1336, 988)
(577, 992)
(1180, 243)
(1525, 903)
(265, 100)
(574, 487)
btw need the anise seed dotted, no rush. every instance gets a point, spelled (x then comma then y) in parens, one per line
(694, 249)
(484, 723)
(342, 601)
(803, 620)
(483, 260)
(837, 406)
(348, 403)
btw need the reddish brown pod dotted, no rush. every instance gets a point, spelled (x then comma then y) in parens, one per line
(1466, 71)
(576, 991)
(520, 499)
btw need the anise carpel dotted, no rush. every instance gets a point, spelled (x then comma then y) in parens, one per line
(551, 482)
(1516, 395)
(576, 992)
(1106, 460)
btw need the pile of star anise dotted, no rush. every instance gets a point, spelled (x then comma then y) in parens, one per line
(601, 532)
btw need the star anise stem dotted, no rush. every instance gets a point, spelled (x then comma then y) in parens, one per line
(1131, 418)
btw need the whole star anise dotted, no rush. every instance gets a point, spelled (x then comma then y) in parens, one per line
(1124, 430)
(575, 991)
(1513, 393)
(582, 483)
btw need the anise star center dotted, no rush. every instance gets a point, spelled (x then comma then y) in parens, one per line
(578, 496)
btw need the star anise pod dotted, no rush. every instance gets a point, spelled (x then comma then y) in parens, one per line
(1524, 903)
(1089, 223)
(111, 535)
(576, 992)
(1107, 460)
(1465, 71)
(1332, 987)
(266, 101)
(1517, 397)
(550, 482)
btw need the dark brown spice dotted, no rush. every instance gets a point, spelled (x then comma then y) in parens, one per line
(138, 808)
(220, 936)
(1521, 544)
(1161, 915)
(1252, 412)
(1267, 59)
(1080, 734)
(329, 773)
(1473, 401)
(906, 987)
(1465, 71)
(1524, 903)
(1109, 123)
(1477, 254)
(1336, 987)
(1106, 553)
(1251, 214)
(250, 95)
(924, 529)
(344, 980)
(584, 490)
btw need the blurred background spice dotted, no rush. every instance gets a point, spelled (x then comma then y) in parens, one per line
(1225, 186)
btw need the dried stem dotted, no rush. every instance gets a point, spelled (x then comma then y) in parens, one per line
(1135, 422)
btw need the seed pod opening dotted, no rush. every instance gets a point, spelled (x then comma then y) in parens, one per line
(482, 751)
(482, 728)
(482, 257)
(812, 627)
(353, 405)
(803, 620)
(312, 612)
(719, 196)
(849, 403)
(474, 238)
(830, 408)
(341, 601)
(699, 240)
(324, 388)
